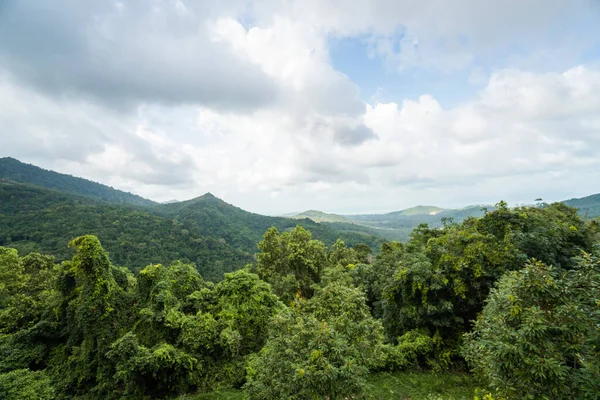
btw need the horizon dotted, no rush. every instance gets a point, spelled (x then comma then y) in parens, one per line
(295, 213)
(348, 108)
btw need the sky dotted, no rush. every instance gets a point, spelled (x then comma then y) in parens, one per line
(276, 106)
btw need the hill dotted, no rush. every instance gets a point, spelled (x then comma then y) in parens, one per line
(216, 236)
(418, 210)
(209, 215)
(320, 216)
(397, 225)
(18, 171)
(588, 206)
(43, 220)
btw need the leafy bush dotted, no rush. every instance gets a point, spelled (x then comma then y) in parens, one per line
(24, 384)
(290, 261)
(443, 276)
(538, 335)
(321, 348)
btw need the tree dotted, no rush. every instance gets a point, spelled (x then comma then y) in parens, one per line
(439, 287)
(442, 279)
(538, 335)
(291, 262)
(320, 348)
(191, 335)
(27, 326)
(95, 313)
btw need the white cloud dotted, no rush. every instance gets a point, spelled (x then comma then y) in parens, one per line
(243, 101)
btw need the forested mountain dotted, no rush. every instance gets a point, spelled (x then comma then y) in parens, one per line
(42, 220)
(320, 216)
(395, 225)
(589, 206)
(17, 171)
(216, 236)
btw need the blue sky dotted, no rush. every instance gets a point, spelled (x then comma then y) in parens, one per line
(377, 79)
(278, 106)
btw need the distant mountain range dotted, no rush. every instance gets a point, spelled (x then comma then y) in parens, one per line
(42, 211)
(397, 225)
(320, 216)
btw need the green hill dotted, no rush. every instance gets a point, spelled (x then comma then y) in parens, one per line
(397, 225)
(218, 237)
(588, 206)
(17, 171)
(394, 226)
(209, 215)
(43, 220)
(320, 216)
(418, 210)
(42, 210)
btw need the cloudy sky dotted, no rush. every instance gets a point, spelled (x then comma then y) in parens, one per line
(282, 105)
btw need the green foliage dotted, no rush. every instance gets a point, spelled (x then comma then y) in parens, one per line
(443, 277)
(26, 326)
(290, 261)
(17, 171)
(191, 334)
(157, 371)
(382, 273)
(214, 235)
(96, 313)
(89, 329)
(320, 348)
(24, 384)
(538, 335)
(412, 349)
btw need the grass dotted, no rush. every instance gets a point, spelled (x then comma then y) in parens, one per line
(419, 386)
(390, 386)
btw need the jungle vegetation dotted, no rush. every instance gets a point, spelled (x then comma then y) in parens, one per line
(511, 298)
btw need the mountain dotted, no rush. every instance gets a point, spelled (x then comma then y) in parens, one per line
(15, 170)
(418, 210)
(218, 237)
(209, 215)
(397, 225)
(320, 216)
(588, 206)
(44, 220)
(43, 210)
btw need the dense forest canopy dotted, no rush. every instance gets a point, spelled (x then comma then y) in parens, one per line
(512, 296)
